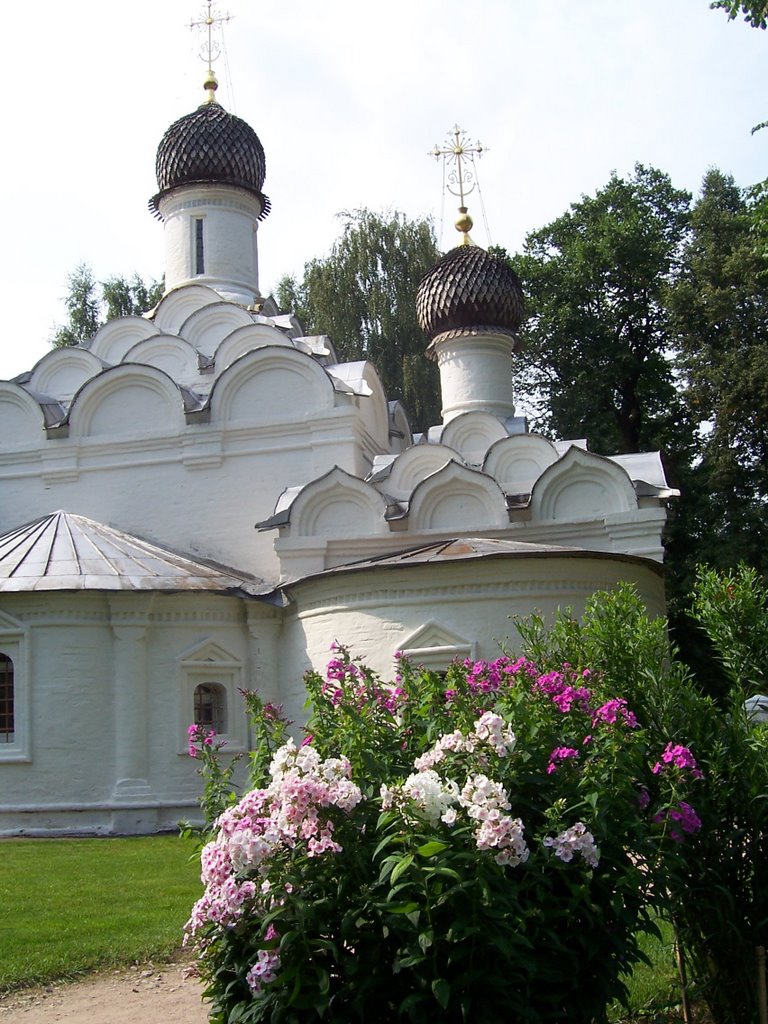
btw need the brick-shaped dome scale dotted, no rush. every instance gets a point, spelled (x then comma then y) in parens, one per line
(469, 288)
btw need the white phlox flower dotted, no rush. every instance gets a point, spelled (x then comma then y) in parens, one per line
(483, 799)
(576, 839)
(432, 795)
(491, 729)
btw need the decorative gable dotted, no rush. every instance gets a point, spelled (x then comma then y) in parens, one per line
(435, 646)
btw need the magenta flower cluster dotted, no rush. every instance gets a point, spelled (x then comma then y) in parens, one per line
(677, 756)
(198, 735)
(560, 754)
(346, 681)
(682, 819)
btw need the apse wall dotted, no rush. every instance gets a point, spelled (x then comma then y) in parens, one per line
(441, 611)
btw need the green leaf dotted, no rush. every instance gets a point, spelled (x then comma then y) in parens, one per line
(402, 866)
(432, 848)
(441, 990)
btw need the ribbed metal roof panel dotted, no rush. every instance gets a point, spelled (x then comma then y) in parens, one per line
(63, 551)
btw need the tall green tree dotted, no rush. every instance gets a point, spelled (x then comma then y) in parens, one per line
(363, 295)
(597, 359)
(91, 304)
(719, 315)
(82, 305)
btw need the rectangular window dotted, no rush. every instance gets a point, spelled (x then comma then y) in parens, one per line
(199, 251)
(211, 707)
(7, 734)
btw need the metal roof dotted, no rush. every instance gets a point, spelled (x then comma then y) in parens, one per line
(463, 549)
(63, 551)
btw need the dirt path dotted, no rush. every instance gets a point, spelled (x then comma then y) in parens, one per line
(141, 995)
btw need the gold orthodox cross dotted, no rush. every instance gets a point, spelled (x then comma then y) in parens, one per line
(458, 152)
(210, 50)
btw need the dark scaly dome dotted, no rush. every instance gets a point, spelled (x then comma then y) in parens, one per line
(469, 289)
(210, 146)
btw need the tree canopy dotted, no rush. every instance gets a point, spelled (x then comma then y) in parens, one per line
(755, 11)
(596, 360)
(719, 318)
(648, 329)
(363, 295)
(91, 304)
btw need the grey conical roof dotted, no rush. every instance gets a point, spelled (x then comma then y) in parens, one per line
(62, 551)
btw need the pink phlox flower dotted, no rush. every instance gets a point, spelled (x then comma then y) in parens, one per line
(521, 665)
(679, 757)
(263, 971)
(684, 816)
(336, 669)
(272, 711)
(576, 839)
(558, 686)
(505, 835)
(199, 736)
(570, 695)
(643, 799)
(613, 710)
(560, 754)
(488, 676)
(549, 683)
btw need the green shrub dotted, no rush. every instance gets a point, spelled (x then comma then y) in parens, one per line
(457, 848)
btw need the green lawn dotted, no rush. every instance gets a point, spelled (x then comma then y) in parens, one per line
(654, 988)
(70, 905)
(73, 905)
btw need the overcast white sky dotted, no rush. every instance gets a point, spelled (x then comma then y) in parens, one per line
(347, 98)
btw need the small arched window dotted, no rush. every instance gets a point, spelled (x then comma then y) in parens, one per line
(7, 734)
(211, 707)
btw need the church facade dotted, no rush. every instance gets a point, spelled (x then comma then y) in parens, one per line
(203, 498)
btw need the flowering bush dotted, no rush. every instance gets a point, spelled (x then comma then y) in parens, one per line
(476, 847)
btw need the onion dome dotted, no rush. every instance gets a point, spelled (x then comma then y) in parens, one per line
(469, 290)
(210, 146)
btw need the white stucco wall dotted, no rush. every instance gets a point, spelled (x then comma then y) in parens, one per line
(109, 682)
(376, 612)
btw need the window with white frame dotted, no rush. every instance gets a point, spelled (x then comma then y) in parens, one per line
(210, 681)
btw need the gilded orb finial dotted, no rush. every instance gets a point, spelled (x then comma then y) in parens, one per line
(210, 49)
(464, 224)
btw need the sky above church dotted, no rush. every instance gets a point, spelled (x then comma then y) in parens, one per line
(348, 98)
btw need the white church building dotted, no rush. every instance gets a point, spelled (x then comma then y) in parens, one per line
(201, 499)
